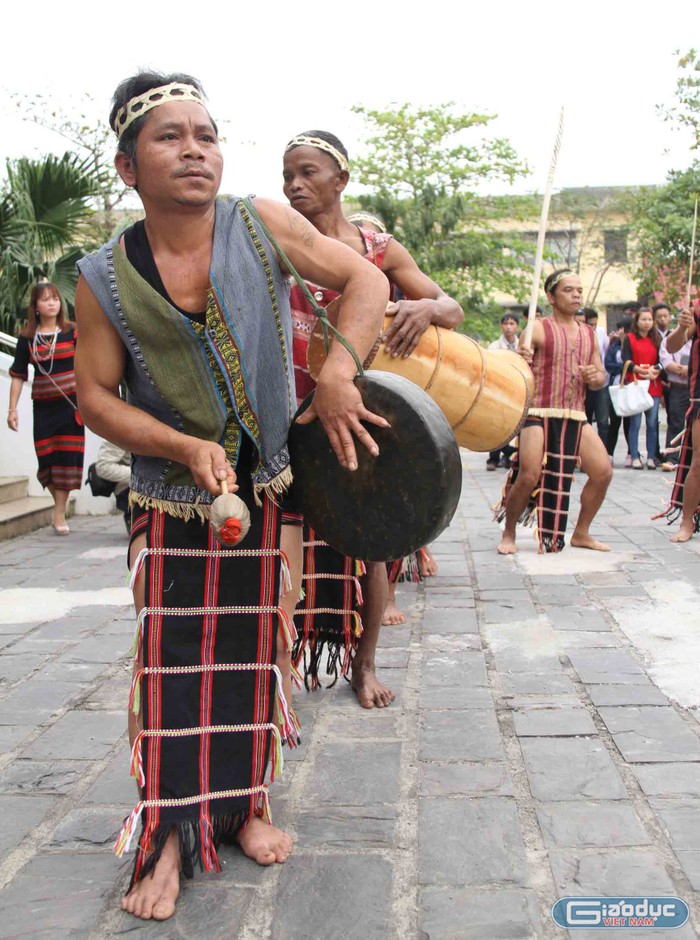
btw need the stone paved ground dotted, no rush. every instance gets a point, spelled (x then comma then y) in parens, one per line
(544, 742)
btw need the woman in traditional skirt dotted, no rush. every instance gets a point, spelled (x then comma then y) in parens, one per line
(47, 343)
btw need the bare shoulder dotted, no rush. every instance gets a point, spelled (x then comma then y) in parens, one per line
(537, 333)
(285, 222)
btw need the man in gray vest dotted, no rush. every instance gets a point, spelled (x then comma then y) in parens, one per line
(189, 307)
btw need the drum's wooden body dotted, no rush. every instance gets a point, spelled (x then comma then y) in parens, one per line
(484, 394)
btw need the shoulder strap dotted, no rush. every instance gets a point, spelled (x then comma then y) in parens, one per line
(318, 310)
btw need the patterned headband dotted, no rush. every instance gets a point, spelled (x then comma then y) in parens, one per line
(303, 141)
(367, 217)
(141, 104)
(555, 281)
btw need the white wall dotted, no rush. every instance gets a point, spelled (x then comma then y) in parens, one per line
(17, 456)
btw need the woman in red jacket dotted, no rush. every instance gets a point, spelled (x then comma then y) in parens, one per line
(641, 348)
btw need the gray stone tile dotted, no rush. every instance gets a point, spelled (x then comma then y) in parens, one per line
(87, 830)
(50, 777)
(578, 618)
(588, 639)
(306, 884)
(538, 683)
(590, 824)
(690, 862)
(571, 769)
(64, 894)
(36, 700)
(651, 735)
(471, 842)
(465, 779)
(466, 914)
(502, 612)
(680, 820)
(460, 735)
(615, 663)
(351, 827)
(626, 694)
(356, 773)
(626, 872)
(115, 786)
(20, 814)
(81, 735)
(455, 620)
(464, 696)
(443, 669)
(680, 780)
(99, 649)
(14, 666)
(11, 736)
(553, 722)
(65, 669)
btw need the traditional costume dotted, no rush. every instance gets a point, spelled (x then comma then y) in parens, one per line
(211, 695)
(685, 456)
(59, 435)
(558, 406)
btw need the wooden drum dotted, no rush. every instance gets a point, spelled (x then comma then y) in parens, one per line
(484, 394)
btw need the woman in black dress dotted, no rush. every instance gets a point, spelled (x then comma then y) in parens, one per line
(47, 343)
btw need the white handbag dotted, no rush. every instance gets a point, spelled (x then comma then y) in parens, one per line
(631, 399)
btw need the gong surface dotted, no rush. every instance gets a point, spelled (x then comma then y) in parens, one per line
(392, 504)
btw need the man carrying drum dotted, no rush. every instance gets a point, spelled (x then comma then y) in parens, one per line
(316, 172)
(565, 360)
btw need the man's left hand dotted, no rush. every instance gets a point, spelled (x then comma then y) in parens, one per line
(411, 319)
(589, 374)
(338, 404)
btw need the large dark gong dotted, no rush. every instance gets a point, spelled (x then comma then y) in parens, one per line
(394, 503)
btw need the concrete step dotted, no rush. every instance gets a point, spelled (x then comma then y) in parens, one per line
(19, 516)
(12, 488)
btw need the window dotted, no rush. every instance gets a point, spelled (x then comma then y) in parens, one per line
(615, 247)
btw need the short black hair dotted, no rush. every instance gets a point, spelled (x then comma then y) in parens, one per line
(137, 85)
(510, 316)
(329, 139)
(633, 305)
(590, 313)
(660, 307)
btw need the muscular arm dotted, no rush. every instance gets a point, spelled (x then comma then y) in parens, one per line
(594, 373)
(683, 332)
(425, 302)
(365, 292)
(536, 340)
(99, 366)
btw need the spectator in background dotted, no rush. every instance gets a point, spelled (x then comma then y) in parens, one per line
(641, 350)
(662, 321)
(598, 400)
(613, 366)
(510, 324)
(675, 365)
(114, 464)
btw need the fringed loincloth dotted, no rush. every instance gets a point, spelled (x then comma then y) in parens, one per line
(327, 619)
(685, 456)
(548, 506)
(213, 712)
(406, 569)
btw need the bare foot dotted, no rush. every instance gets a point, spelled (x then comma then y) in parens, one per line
(392, 615)
(264, 843)
(587, 541)
(427, 565)
(370, 692)
(155, 895)
(684, 534)
(507, 545)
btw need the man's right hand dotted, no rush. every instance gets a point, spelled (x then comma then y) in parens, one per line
(686, 319)
(526, 353)
(209, 466)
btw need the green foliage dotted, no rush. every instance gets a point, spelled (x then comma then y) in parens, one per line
(424, 168)
(45, 211)
(686, 111)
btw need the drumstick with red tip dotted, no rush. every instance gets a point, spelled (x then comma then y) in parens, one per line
(230, 519)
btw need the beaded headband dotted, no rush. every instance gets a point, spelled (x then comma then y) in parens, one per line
(367, 217)
(141, 104)
(303, 141)
(555, 281)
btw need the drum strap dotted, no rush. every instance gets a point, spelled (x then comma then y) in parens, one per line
(318, 310)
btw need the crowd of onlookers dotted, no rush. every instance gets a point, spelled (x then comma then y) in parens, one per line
(635, 347)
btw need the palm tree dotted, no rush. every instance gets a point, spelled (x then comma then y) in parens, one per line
(45, 208)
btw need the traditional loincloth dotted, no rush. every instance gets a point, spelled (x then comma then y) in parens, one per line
(685, 456)
(327, 620)
(548, 506)
(211, 695)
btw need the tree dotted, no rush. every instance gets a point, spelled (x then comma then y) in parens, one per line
(45, 212)
(686, 111)
(424, 168)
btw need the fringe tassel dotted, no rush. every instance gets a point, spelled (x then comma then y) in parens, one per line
(358, 592)
(184, 511)
(359, 629)
(288, 629)
(360, 568)
(135, 693)
(137, 760)
(138, 635)
(287, 725)
(285, 575)
(264, 808)
(296, 677)
(124, 838)
(277, 757)
(275, 488)
(136, 568)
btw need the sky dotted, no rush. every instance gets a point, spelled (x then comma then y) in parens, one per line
(274, 69)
